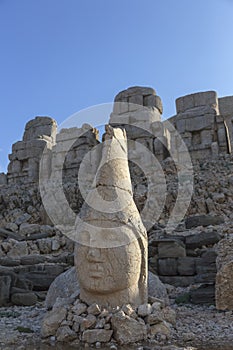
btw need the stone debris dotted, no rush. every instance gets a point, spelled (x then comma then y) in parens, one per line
(20, 326)
(203, 326)
(125, 325)
(190, 326)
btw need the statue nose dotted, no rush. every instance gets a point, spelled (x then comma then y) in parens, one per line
(93, 254)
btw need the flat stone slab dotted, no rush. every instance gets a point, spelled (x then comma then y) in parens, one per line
(202, 239)
(203, 220)
(171, 249)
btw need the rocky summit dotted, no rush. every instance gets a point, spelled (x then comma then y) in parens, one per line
(179, 175)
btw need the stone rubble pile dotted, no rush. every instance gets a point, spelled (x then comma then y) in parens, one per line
(196, 327)
(73, 321)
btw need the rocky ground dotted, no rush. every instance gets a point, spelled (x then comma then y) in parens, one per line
(20, 326)
(197, 327)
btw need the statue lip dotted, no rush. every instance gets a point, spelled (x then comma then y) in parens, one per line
(96, 270)
(96, 274)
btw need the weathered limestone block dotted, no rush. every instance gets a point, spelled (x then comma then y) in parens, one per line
(171, 249)
(41, 278)
(181, 125)
(92, 336)
(19, 249)
(195, 100)
(209, 256)
(186, 266)
(202, 239)
(154, 318)
(15, 167)
(224, 250)
(203, 220)
(126, 329)
(187, 137)
(135, 90)
(144, 310)
(3, 179)
(111, 253)
(224, 287)
(24, 299)
(136, 107)
(204, 278)
(222, 137)
(156, 288)
(26, 154)
(153, 101)
(142, 118)
(203, 268)
(207, 137)
(65, 334)
(52, 321)
(40, 126)
(160, 328)
(28, 229)
(226, 106)
(199, 123)
(71, 147)
(198, 114)
(5, 285)
(63, 286)
(214, 150)
(135, 99)
(167, 267)
(179, 281)
(18, 146)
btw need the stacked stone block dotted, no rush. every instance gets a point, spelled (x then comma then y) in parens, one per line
(71, 146)
(187, 260)
(196, 122)
(26, 154)
(205, 123)
(138, 110)
(225, 121)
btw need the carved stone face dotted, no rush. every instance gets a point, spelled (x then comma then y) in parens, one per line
(108, 270)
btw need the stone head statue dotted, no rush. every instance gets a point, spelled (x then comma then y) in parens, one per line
(111, 253)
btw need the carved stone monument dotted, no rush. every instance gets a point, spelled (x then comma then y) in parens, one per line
(111, 253)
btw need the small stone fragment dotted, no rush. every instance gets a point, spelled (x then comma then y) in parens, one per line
(94, 309)
(144, 310)
(65, 334)
(52, 321)
(96, 335)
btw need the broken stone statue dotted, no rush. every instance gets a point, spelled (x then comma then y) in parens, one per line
(111, 248)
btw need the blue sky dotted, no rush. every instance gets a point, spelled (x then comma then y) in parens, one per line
(60, 56)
